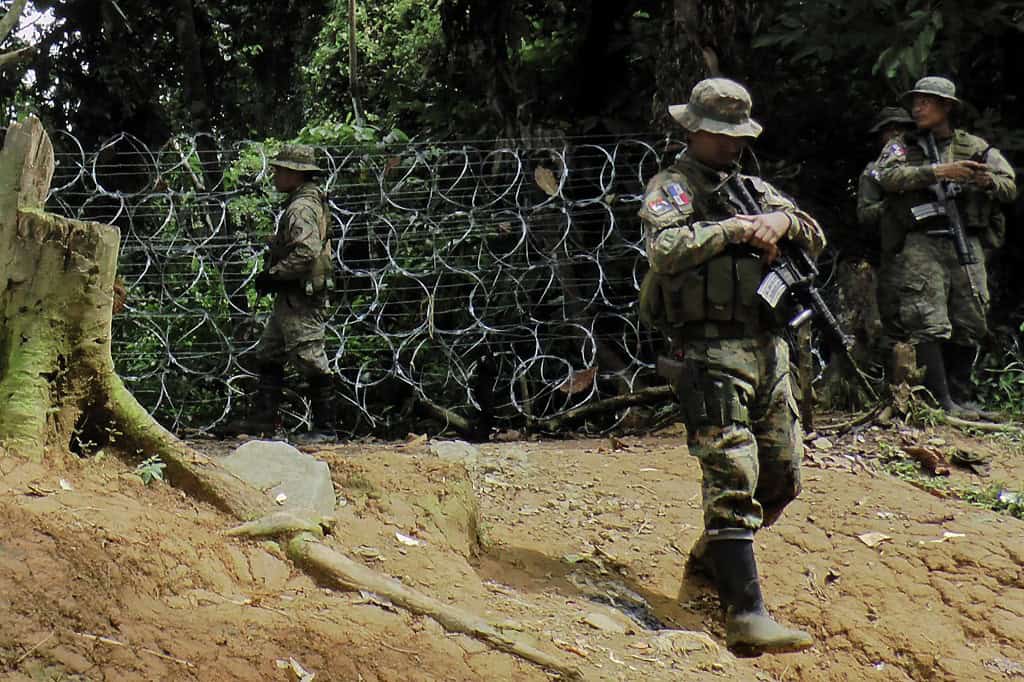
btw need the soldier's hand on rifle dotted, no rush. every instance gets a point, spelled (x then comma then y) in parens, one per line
(769, 228)
(958, 171)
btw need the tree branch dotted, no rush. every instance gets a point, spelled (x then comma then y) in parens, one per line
(15, 56)
(10, 20)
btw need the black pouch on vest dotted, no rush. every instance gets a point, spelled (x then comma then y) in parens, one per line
(749, 273)
(721, 289)
(684, 296)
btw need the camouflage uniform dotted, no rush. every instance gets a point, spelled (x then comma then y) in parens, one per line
(870, 208)
(295, 331)
(938, 311)
(701, 292)
(730, 367)
(935, 300)
(297, 270)
(750, 461)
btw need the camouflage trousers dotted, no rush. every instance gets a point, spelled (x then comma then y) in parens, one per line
(934, 297)
(744, 429)
(888, 298)
(295, 334)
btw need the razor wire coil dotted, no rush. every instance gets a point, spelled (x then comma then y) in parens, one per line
(463, 269)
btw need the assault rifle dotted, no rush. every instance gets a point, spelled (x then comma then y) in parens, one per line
(792, 278)
(945, 205)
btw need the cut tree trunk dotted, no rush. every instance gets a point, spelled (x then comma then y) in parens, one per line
(57, 377)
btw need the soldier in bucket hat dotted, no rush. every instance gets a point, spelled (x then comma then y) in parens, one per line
(298, 272)
(729, 363)
(942, 304)
(888, 124)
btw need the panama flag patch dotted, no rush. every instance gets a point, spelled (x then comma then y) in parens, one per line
(658, 206)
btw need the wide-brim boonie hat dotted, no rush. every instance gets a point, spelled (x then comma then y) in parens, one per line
(717, 105)
(891, 116)
(299, 157)
(936, 86)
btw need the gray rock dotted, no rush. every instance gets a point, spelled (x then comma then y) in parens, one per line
(279, 469)
(455, 451)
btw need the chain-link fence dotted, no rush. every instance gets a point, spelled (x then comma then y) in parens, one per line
(488, 279)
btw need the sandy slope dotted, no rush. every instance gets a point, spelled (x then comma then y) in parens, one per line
(573, 531)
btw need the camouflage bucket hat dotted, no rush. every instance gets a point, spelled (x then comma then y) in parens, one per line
(891, 116)
(717, 105)
(299, 157)
(935, 86)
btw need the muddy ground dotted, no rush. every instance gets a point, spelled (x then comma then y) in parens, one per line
(577, 544)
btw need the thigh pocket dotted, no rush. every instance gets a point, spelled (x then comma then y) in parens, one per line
(913, 307)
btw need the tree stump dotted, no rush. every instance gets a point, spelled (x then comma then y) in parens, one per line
(57, 377)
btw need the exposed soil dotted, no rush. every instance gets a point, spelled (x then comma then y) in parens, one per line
(583, 547)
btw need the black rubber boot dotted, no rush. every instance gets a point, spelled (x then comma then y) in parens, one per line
(929, 356)
(749, 630)
(262, 419)
(960, 363)
(321, 399)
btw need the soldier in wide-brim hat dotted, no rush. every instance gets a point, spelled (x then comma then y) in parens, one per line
(297, 157)
(934, 86)
(889, 123)
(719, 106)
(943, 295)
(729, 362)
(298, 273)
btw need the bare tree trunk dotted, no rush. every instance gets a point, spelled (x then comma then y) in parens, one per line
(353, 65)
(57, 375)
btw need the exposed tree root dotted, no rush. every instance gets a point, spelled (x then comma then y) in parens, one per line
(984, 427)
(307, 550)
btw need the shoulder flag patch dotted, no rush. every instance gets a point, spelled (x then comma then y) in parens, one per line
(678, 195)
(897, 149)
(658, 206)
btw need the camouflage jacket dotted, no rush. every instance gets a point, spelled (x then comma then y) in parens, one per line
(300, 249)
(696, 273)
(870, 198)
(678, 238)
(906, 175)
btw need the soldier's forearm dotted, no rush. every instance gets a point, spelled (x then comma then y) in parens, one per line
(1004, 189)
(870, 215)
(676, 249)
(806, 232)
(904, 178)
(295, 265)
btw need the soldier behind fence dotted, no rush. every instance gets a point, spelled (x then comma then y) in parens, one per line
(297, 272)
(942, 294)
(730, 364)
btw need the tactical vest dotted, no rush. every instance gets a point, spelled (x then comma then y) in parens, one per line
(718, 297)
(978, 212)
(319, 277)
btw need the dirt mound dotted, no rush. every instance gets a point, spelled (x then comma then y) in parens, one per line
(579, 545)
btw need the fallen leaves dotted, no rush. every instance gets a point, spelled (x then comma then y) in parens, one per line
(546, 180)
(931, 459)
(577, 382)
(874, 539)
